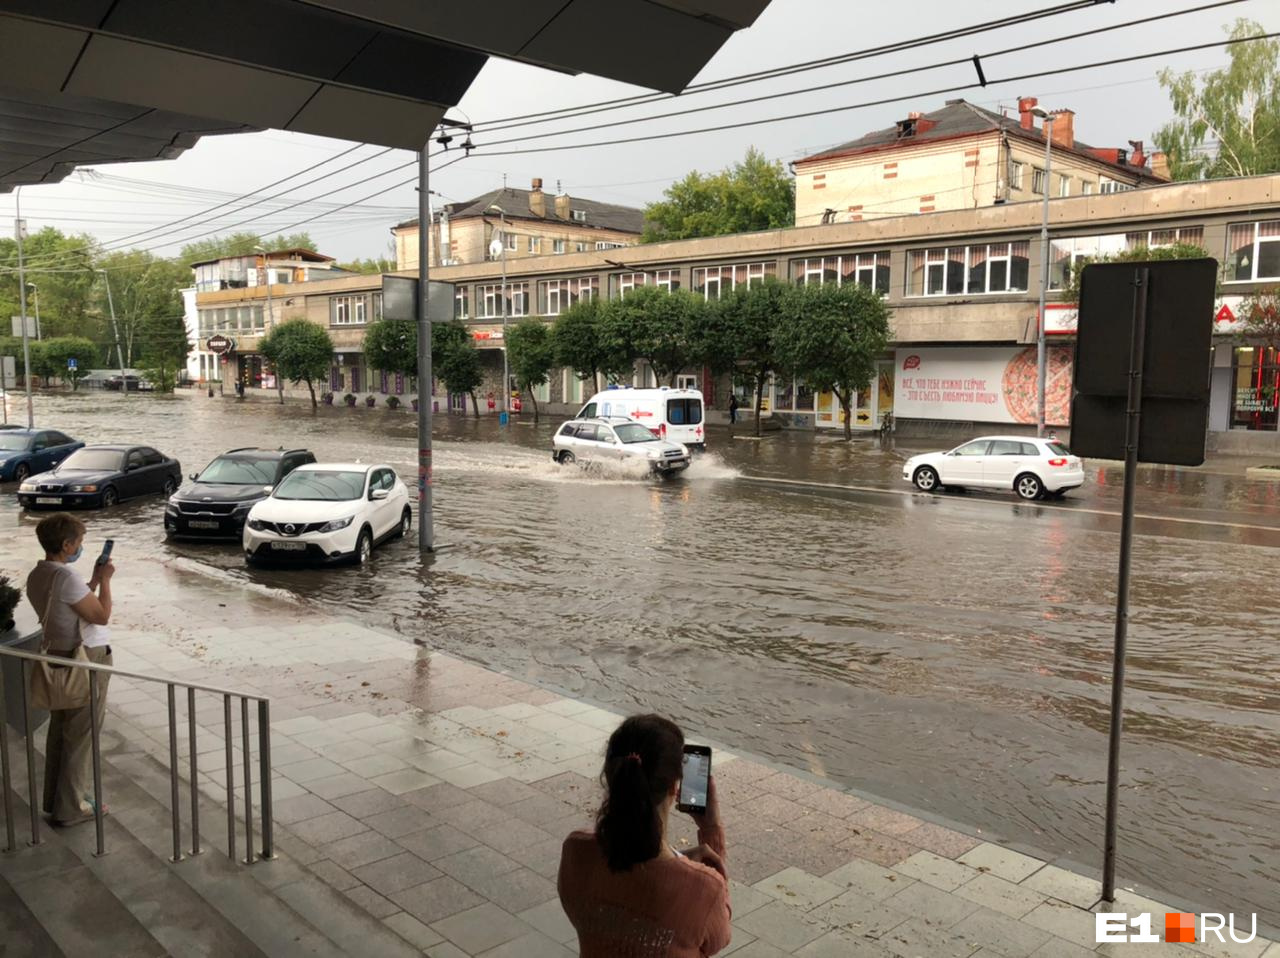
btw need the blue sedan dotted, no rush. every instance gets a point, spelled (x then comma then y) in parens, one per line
(24, 452)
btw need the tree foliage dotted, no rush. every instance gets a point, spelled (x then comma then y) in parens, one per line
(392, 345)
(380, 264)
(300, 351)
(455, 361)
(1228, 122)
(655, 325)
(748, 331)
(579, 343)
(1138, 254)
(751, 195)
(241, 244)
(531, 355)
(57, 352)
(145, 295)
(63, 299)
(1260, 317)
(831, 336)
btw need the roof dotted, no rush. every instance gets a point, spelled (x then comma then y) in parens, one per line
(298, 252)
(956, 119)
(345, 466)
(105, 81)
(515, 203)
(251, 452)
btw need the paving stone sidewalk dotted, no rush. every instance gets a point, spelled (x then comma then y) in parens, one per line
(435, 794)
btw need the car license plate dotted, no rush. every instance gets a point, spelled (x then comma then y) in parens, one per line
(206, 524)
(289, 546)
(48, 501)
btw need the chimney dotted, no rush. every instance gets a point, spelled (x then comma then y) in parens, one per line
(562, 206)
(1064, 129)
(537, 199)
(1139, 156)
(1160, 165)
(1025, 105)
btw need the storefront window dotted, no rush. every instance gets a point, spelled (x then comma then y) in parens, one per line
(1253, 251)
(1257, 378)
(784, 394)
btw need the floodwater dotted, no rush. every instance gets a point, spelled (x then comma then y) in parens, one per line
(795, 598)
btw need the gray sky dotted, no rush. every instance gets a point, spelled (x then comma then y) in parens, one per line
(1113, 105)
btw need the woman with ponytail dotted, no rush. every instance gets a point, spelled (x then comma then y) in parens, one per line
(628, 893)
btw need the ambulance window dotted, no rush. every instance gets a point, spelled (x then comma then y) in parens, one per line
(588, 411)
(684, 412)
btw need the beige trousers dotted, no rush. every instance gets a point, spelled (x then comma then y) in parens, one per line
(68, 753)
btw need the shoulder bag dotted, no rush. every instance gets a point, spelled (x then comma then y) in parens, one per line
(56, 687)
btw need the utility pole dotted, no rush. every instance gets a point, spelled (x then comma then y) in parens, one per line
(124, 383)
(20, 233)
(502, 253)
(35, 295)
(1041, 353)
(426, 530)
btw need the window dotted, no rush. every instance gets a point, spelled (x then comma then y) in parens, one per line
(535, 244)
(151, 458)
(511, 241)
(489, 302)
(866, 269)
(1086, 188)
(1113, 186)
(955, 270)
(1016, 176)
(1253, 251)
(978, 448)
(1256, 388)
(602, 244)
(714, 281)
(684, 412)
(348, 311)
(1006, 447)
(135, 460)
(557, 246)
(460, 303)
(1064, 186)
(668, 279)
(1066, 254)
(559, 294)
(518, 294)
(1037, 181)
(578, 216)
(581, 247)
(1156, 239)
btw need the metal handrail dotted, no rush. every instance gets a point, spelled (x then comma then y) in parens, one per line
(172, 685)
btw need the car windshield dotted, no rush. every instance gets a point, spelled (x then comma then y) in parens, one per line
(322, 485)
(95, 459)
(1058, 449)
(248, 472)
(11, 443)
(634, 432)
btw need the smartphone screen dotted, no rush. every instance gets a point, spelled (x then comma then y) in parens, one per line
(106, 552)
(697, 775)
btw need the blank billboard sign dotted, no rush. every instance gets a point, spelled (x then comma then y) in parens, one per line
(1175, 375)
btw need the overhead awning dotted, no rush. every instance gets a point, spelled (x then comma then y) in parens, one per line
(97, 81)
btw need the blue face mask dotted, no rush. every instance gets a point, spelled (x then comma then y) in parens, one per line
(76, 555)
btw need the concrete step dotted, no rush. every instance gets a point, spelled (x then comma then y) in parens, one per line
(20, 930)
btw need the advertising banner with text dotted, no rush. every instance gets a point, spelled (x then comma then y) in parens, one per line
(981, 384)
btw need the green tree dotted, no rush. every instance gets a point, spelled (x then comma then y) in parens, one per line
(392, 346)
(64, 299)
(1228, 122)
(455, 361)
(1138, 254)
(381, 264)
(655, 325)
(60, 350)
(146, 291)
(300, 351)
(579, 343)
(752, 195)
(1260, 317)
(749, 318)
(164, 350)
(831, 336)
(531, 356)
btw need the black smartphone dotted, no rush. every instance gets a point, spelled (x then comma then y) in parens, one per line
(696, 766)
(106, 552)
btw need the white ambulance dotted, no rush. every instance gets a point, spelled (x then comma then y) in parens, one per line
(672, 414)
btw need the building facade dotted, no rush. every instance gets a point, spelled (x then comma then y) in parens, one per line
(962, 286)
(537, 224)
(960, 157)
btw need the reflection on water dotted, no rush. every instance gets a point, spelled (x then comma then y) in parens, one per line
(952, 653)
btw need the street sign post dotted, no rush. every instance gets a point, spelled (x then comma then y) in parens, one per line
(8, 373)
(72, 363)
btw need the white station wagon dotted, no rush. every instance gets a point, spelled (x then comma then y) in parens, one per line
(1033, 468)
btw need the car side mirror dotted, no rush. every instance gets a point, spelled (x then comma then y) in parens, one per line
(194, 476)
(379, 493)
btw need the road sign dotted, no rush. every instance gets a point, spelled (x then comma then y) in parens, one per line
(17, 326)
(8, 370)
(72, 363)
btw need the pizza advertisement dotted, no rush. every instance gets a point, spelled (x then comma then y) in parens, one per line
(994, 384)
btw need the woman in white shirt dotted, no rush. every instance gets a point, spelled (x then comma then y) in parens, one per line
(73, 612)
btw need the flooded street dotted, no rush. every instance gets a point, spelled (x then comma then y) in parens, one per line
(794, 596)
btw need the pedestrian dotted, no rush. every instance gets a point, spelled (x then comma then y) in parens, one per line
(623, 886)
(733, 409)
(73, 612)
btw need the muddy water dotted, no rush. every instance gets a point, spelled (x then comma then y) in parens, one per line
(951, 653)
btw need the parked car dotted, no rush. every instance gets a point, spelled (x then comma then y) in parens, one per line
(129, 382)
(617, 439)
(1033, 468)
(328, 512)
(26, 451)
(101, 476)
(216, 505)
(673, 414)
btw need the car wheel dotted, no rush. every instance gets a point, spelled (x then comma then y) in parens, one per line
(109, 497)
(1028, 486)
(567, 458)
(926, 479)
(406, 523)
(170, 487)
(364, 547)
(21, 471)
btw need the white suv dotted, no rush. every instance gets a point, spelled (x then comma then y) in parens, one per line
(1033, 468)
(617, 439)
(328, 512)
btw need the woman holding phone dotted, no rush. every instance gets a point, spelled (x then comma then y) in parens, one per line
(73, 612)
(626, 890)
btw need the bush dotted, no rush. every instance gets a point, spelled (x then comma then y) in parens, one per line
(326, 398)
(9, 596)
(349, 399)
(371, 401)
(393, 402)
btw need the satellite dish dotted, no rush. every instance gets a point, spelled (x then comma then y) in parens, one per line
(495, 248)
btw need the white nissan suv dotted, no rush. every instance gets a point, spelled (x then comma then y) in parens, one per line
(617, 439)
(328, 512)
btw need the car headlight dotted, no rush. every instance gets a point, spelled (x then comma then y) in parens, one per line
(89, 488)
(27, 487)
(171, 508)
(256, 524)
(334, 525)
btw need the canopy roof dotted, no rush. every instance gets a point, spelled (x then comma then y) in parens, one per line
(98, 81)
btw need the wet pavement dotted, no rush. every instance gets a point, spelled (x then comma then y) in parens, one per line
(795, 598)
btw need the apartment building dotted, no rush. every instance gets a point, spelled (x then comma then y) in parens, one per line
(537, 224)
(962, 157)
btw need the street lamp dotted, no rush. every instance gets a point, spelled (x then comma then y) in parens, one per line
(502, 252)
(1041, 357)
(268, 320)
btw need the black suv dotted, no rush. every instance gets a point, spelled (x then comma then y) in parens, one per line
(216, 506)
